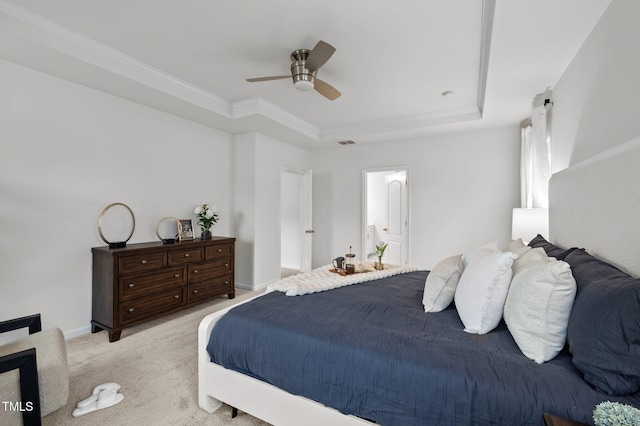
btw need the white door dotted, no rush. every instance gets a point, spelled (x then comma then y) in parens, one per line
(307, 228)
(397, 219)
(295, 220)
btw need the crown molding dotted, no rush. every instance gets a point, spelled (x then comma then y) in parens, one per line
(259, 106)
(471, 112)
(62, 39)
(488, 13)
(21, 22)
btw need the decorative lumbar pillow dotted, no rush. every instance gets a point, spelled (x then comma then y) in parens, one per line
(441, 284)
(538, 306)
(482, 291)
(604, 327)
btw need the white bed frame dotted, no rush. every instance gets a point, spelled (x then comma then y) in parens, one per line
(594, 204)
(217, 384)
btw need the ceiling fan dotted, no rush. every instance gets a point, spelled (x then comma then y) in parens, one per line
(304, 67)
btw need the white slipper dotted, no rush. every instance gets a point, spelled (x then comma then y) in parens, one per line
(106, 398)
(94, 395)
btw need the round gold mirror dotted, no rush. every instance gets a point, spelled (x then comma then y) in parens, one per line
(166, 227)
(117, 221)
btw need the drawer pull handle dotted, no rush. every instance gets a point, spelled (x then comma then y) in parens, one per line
(226, 264)
(143, 262)
(195, 271)
(176, 276)
(177, 296)
(226, 282)
(131, 285)
(131, 309)
(219, 250)
(195, 291)
(186, 255)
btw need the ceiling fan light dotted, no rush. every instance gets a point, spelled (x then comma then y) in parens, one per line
(303, 85)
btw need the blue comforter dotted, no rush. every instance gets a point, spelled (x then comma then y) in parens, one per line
(370, 350)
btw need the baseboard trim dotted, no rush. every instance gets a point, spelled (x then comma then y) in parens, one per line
(244, 286)
(296, 267)
(77, 332)
(256, 287)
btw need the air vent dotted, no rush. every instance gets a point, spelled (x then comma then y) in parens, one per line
(346, 142)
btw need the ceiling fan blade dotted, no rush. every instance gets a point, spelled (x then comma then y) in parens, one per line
(273, 77)
(326, 90)
(319, 55)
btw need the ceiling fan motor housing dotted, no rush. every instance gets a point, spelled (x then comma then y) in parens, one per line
(303, 79)
(304, 69)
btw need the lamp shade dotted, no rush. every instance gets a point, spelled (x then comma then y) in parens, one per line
(527, 223)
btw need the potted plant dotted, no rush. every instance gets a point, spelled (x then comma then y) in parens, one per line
(207, 216)
(609, 413)
(380, 248)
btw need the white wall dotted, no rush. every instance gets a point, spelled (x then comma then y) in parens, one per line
(244, 204)
(66, 152)
(463, 188)
(597, 100)
(259, 159)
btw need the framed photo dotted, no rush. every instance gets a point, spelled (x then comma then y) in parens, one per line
(185, 229)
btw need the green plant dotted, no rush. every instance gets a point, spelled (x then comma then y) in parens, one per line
(609, 413)
(380, 248)
(206, 216)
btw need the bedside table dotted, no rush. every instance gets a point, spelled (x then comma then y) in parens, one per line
(552, 420)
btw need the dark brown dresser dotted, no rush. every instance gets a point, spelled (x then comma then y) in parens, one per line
(147, 280)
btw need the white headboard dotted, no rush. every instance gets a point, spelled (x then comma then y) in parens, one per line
(595, 205)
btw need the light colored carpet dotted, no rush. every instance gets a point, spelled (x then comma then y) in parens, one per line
(157, 366)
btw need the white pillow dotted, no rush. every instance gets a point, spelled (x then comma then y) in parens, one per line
(517, 247)
(514, 245)
(538, 307)
(480, 251)
(482, 291)
(536, 256)
(441, 284)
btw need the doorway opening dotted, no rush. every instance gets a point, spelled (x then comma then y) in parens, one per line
(295, 222)
(386, 214)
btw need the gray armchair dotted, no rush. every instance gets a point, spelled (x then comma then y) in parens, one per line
(34, 375)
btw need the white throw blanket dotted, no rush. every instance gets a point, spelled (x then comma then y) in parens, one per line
(322, 279)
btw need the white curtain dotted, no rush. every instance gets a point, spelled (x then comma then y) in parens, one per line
(535, 158)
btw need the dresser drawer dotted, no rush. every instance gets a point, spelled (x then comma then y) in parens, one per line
(142, 307)
(182, 257)
(218, 251)
(208, 270)
(209, 288)
(150, 282)
(142, 262)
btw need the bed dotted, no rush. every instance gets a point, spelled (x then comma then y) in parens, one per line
(424, 368)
